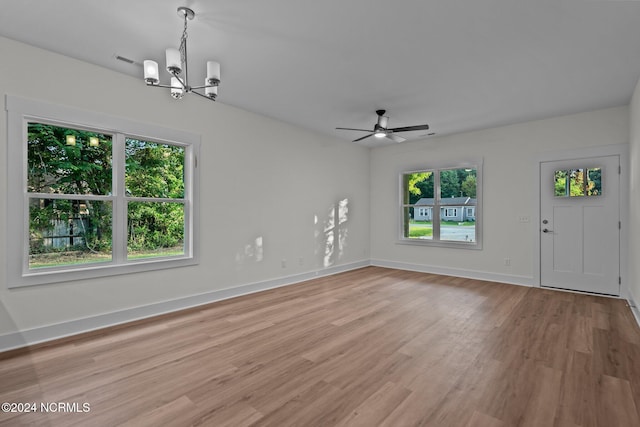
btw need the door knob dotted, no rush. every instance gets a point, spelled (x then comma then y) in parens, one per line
(546, 230)
(544, 221)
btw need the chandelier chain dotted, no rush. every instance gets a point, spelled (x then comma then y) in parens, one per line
(183, 42)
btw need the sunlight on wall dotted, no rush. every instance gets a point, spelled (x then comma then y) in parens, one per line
(331, 235)
(251, 252)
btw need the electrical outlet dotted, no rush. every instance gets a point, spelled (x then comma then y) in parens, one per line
(523, 218)
(283, 264)
(507, 262)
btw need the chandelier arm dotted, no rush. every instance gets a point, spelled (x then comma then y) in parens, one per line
(203, 86)
(204, 96)
(160, 85)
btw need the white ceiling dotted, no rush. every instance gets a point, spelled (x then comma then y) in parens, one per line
(457, 65)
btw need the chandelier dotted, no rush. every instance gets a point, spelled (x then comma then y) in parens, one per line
(177, 63)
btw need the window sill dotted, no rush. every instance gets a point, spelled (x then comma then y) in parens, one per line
(36, 277)
(440, 244)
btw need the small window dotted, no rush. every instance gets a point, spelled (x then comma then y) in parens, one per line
(440, 206)
(578, 182)
(451, 212)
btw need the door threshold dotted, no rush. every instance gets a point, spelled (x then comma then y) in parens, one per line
(597, 294)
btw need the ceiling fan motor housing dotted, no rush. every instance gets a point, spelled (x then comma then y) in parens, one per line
(382, 121)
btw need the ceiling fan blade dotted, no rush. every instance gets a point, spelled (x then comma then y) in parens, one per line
(361, 130)
(395, 138)
(360, 139)
(410, 128)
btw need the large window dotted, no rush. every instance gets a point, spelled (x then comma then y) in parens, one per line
(106, 196)
(442, 206)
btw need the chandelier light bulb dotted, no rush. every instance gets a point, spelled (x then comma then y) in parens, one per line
(174, 64)
(213, 73)
(151, 75)
(176, 88)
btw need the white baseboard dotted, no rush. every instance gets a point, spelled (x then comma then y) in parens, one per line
(446, 271)
(73, 327)
(633, 304)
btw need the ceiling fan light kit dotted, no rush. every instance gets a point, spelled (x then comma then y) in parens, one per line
(381, 130)
(176, 63)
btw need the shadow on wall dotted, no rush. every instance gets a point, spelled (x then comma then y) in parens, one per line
(331, 234)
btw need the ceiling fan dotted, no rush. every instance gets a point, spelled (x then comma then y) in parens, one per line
(380, 129)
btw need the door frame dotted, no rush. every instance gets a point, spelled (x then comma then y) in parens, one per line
(621, 150)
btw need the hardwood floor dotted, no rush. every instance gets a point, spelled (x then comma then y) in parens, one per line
(372, 347)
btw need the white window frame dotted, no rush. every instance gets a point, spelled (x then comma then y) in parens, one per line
(437, 207)
(21, 111)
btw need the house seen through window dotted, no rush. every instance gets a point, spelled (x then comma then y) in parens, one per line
(441, 206)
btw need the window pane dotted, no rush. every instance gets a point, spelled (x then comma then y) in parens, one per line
(68, 161)
(418, 190)
(154, 170)
(418, 186)
(155, 229)
(68, 232)
(458, 231)
(458, 189)
(594, 182)
(416, 224)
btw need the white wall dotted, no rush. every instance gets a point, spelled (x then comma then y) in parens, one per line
(510, 190)
(634, 197)
(250, 160)
(293, 180)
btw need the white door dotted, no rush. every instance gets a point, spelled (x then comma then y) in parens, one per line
(580, 224)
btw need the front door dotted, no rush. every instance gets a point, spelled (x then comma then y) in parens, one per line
(580, 224)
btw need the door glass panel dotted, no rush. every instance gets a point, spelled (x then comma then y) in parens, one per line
(571, 182)
(576, 182)
(594, 181)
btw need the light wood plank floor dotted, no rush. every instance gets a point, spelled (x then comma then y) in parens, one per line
(372, 347)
